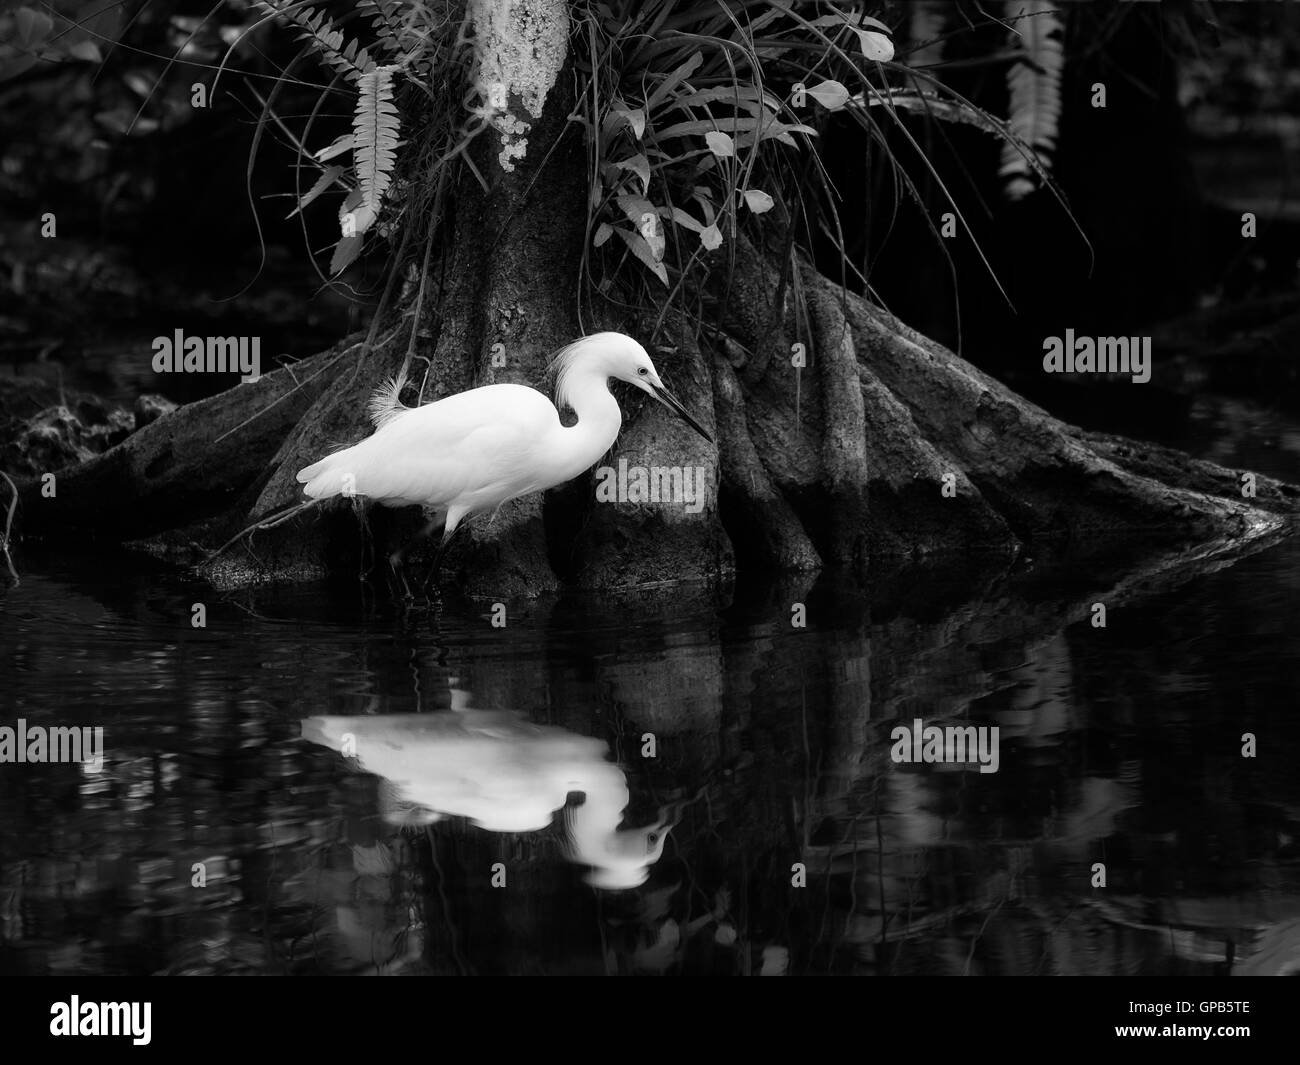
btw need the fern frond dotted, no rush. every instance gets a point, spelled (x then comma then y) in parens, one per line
(386, 18)
(411, 33)
(1034, 81)
(375, 126)
(324, 38)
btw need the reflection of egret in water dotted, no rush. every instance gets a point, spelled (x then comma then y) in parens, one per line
(506, 775)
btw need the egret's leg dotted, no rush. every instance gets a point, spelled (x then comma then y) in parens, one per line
(367, 559)
(398, 558)
(439, 555)
(399, 573)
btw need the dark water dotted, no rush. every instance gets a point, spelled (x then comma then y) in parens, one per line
(217, 839)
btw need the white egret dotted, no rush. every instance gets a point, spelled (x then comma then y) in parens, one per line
(506, 775)
(475, 450)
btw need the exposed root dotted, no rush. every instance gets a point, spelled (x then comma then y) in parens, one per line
(1035, 472)
(186, 466)
(750, 311)
(290, 512)
(326, 363)
(773, 535)
(844, 438)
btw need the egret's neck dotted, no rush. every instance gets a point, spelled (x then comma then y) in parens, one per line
(604, 788)
(617, 858)
(599, 420)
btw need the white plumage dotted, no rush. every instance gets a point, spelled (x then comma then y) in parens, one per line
(506, 775)
(475, 450)
(451, 458)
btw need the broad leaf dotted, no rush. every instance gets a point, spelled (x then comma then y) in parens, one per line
(356, 221)
(720, 144)
(674, 79)
(322, 183)
(341, 145)
(345, 252)
(636, 243)
(875, 46)
(634, 117)
(636, 208)
(87, 51)
(640, 166)
(686, 221)
(830, 94)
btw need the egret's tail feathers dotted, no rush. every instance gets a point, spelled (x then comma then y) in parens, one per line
(309, 473)
(332, 476)
(384, 403)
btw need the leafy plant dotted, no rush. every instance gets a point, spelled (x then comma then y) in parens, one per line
(376, 124)
(322, 37)
(696, 117)
(37, 32)
(374, 135)
(703, 118)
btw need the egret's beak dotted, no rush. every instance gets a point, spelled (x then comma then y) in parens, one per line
(675, 405)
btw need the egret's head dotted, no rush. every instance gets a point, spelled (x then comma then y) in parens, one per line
(619, 858)
(627, 856)
(629, 361)
(617, 355)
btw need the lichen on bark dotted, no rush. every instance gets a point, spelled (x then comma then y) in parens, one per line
(520, 46)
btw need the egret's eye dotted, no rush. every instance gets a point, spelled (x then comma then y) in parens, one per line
(643, 371)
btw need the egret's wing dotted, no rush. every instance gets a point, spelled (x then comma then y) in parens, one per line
(489, 463)
(467, 447)
(376, 469)
(445, 423)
